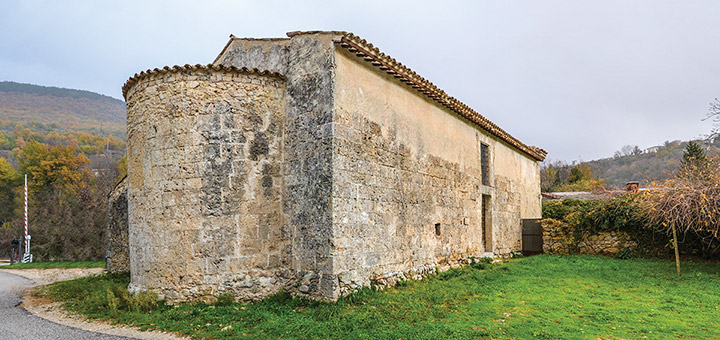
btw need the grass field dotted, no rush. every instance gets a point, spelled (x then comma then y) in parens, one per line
(56, 264)
(544, 297)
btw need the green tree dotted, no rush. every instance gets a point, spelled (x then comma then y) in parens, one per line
(9, 180)
(559, 176)
(580, 172)
(694, 162)
(694, 154)
(580, 178)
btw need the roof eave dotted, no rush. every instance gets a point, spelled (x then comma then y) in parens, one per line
(369, 53)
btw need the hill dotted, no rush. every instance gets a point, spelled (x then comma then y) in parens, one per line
(630, 164)
(62, 109)
(652, 164)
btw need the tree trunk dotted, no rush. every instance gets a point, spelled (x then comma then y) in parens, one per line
(677, 252)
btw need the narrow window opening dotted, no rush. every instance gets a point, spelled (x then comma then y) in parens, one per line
(485, 164)
(437, 229)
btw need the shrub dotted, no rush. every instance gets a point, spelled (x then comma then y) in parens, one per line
(119, 298)
(625, 213)
(449, 274)
(225, 299)
(479, 265)
(486, 259)
(625, 254)
(689, 202)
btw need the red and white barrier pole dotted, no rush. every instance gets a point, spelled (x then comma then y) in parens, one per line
(27, 257)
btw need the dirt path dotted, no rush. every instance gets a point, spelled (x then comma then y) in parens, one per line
(46, 276)
(52, 311)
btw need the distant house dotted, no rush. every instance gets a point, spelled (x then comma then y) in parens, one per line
(653, 149)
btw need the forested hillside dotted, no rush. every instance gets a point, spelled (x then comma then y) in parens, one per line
(629, 164)
(65, 109)
(646, 166)
(16, 134)
(70, 144)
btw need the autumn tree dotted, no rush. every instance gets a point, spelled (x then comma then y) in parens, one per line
(57, 166)
(688, 206)
(580, 172)
(9, 180)
(559, 176)
(122, 167)
(67, 203)
(5, 143)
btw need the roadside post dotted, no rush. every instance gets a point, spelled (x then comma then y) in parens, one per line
(27, 257)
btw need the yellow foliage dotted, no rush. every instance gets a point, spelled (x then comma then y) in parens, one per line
(59, 165)
(688, 200)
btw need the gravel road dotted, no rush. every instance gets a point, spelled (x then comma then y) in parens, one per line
(17, 323)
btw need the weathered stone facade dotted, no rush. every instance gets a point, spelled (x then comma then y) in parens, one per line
(117, 257)
(345, 168)
(204, 175)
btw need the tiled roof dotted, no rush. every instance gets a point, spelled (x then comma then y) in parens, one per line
(372, 55)
(210, 67)
(294, 33)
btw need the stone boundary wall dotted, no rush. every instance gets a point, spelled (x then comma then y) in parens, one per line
(561, 240)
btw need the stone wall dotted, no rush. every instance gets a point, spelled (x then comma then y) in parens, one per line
(558, 238)
(117, 256)
(399, 208)
(205, 150)
(407, 192)
(516, 196)
(263, 54)
(308, 63)
(308, 162)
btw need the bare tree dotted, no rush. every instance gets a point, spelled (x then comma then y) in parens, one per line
(628, 150)
(688, 204)
(714, 116)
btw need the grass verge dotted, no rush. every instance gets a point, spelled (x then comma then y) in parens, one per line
(543, 297)
(56, 264)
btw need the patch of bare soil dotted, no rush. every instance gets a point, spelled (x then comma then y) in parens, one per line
(52, 311)
(47, 276)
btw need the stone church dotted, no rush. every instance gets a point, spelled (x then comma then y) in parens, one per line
(313, 164)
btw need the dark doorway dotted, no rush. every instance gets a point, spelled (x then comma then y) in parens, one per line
(486, 224)
(532, 242)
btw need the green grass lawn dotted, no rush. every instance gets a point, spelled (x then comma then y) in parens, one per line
(56, 264)
(544, 297)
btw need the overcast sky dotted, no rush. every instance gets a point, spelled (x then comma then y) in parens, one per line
(577, 78)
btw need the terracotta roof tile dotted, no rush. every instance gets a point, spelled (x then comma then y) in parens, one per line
(294, 33)
(175, 69)
(365, 50)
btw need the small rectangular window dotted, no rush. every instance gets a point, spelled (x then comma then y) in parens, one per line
(437, 229)
(485, 164)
